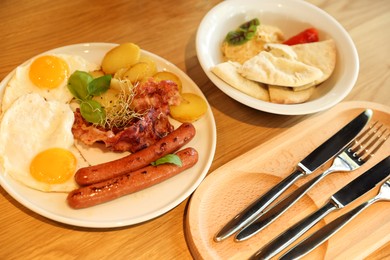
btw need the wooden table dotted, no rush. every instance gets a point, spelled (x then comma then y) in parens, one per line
(168, 29)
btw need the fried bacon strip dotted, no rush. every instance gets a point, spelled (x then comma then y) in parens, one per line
(152, 97)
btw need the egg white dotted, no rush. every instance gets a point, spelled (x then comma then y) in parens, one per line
(31, 125)
(20, 84)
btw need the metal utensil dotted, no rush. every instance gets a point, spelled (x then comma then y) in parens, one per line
(351, 158)
(309, 164)
(359, 186)
(323, 234)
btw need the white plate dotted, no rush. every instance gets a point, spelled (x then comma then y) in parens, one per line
(137, 207)
(292, 17)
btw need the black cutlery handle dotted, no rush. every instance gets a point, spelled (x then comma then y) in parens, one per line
(253, 211)
(292, 234)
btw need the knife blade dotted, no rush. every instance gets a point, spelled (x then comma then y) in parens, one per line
(310, 163)
(353, 190)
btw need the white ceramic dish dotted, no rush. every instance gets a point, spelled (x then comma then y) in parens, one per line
(137, 207)
(292, 17)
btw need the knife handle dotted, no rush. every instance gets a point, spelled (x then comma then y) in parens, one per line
(323, 234)
(293, 233)
(253, 211)
(274, 212)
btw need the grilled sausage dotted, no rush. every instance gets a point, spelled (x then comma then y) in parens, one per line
(166, 145)
(130, 182)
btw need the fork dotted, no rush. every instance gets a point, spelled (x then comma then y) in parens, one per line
(323, 234)
(351, 158)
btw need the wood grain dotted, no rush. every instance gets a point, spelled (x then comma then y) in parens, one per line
(166, 28)
(233, 186)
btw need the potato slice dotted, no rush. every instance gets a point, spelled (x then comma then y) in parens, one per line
(96, 73)
(108, 98)
(122, 56)
(138, 72)
(191, 108)
(166, 75)
(150, 61)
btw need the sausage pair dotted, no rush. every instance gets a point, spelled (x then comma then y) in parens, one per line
(107, 181)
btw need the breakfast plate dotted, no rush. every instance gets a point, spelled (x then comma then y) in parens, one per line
(288, 16)
(134, 208)
(230, 188)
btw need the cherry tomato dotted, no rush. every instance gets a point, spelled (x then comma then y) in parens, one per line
(308, 35)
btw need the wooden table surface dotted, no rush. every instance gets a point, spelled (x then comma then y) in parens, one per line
(168, 29)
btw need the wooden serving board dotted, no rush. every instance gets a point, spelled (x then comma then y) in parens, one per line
(232, 187)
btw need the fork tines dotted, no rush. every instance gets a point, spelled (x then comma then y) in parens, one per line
(368, 142)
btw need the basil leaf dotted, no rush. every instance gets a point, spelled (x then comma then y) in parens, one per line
(251, 32)
(92, 111)
(99, 85)
(243, 33)
(236, 37)
(169, 158)
(78, 83)
(254, 22)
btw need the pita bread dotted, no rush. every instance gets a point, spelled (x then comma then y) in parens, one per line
(321, 55)
(285, 95)
(275, 70)
(227, 71)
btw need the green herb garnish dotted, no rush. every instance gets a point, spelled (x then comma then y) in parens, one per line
(243, 33)
(169, 158)
(84, 87)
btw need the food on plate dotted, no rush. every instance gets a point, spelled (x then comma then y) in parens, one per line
(37, 149)
(128, 183)
(124, 55)
(133, 121)
(56, 100)
(321, 55)
(288, 71)
(238, 47)
(306, 36)
(46, 75)
(166, 145)
(166, 75)
(280, 70)
(191, 108)
(228, 71)
(130, 111)
(285, 95)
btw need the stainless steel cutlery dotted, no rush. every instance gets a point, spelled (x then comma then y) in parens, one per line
(359, 186)
(323, 234)
(312, 162)
(350, 159)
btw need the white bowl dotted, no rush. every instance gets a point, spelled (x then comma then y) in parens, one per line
(292, 17)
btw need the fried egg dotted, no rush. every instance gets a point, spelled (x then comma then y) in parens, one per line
(46, 75)
(37, 144)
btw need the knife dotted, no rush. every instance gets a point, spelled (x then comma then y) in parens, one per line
(309, 164)
(327, 231)
(356, 188)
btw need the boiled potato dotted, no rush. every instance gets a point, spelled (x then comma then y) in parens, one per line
(108, 98)
(122, 56)
(166, 75)
(191, 108)
(96, 73)
(138, 72)
(150, 61)
(122, 86)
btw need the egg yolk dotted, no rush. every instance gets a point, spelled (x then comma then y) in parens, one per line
(48, 71)
(53, 166)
